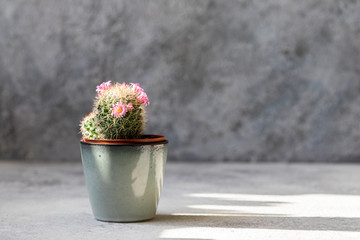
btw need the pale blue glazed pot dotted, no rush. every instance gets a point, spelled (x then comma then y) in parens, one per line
(124, 181)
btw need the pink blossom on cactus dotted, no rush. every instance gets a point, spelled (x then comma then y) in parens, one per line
(135, 84)
(119, 110)
(103, 86)
(137, 88)
(129, 106)
(143, 98)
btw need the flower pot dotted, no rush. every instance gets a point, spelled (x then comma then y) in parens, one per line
(124, 178)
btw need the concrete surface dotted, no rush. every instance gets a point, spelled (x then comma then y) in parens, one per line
(234, 80)
(199, 201)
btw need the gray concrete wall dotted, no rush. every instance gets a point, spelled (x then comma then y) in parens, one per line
(227, 80)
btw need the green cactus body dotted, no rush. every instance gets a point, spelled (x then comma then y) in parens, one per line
(118, 113)
(87, 127)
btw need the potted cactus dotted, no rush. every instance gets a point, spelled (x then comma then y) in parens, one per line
(123, 167)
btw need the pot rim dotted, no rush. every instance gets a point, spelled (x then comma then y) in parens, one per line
(147, 139)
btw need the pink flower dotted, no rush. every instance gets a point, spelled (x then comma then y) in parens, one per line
(102, 87)
(119, 110)
(129, 106)
(137, 88)
(143, 98)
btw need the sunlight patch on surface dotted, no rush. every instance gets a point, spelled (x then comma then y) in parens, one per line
(204, 214)
(215, 233)
(221, 207)
(307, 205)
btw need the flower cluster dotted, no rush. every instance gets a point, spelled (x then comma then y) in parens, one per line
(118, 113)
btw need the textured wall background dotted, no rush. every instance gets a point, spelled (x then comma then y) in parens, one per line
(227, 80)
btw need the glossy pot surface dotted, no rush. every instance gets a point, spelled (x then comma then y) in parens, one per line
(124, 181)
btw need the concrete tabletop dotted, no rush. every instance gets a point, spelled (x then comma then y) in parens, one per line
(199, 201)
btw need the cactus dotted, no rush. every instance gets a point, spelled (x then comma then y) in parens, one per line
(118, 112)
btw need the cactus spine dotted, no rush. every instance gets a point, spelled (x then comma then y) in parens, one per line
(118, 112)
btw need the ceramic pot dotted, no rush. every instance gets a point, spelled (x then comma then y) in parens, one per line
(124, 178)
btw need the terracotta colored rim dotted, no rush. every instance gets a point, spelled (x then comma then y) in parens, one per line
(145, 139)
